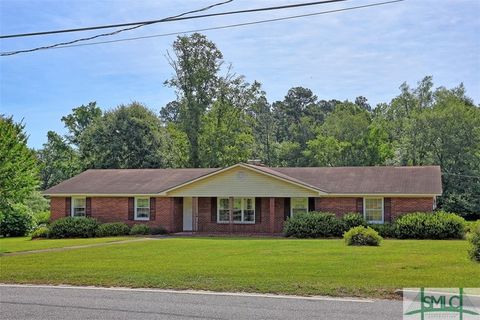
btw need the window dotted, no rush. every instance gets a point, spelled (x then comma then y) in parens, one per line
(243, 210)
(142, 208)
(79, 207)
(223, 210)
(298, 205)
(373, 210)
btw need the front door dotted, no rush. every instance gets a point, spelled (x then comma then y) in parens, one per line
(187, 214)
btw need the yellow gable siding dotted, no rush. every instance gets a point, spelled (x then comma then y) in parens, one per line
(241, 182)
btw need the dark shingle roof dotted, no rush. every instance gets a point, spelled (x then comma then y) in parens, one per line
(336, 180)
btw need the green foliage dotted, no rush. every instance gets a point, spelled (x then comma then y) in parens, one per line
(474, 240)
(158, 230)
(58, 161)
(362, 236)
(41, 218)
(129, 136)
(16, 220)
(73, 227)
(138, 229)
(79, 120)
(18, 165)
(112, 229)
(386, 230)
(313, 225)
(424, 225)
(353, 219)
(470, 225)
(40, 232)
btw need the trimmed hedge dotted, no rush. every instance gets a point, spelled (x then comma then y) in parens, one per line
(313, 225)
(40, 232)
(112, 229)
(386, 230)
(158, 230)
(438, 225)
(73, 227)
(138, 229)
(353, 219)
(474, 239)
(362, 236)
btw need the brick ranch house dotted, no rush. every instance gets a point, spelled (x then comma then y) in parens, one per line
(243, 198)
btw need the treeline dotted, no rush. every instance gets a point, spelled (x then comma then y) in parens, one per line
(219, 119)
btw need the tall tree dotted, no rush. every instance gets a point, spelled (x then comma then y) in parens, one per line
(18, 165)
(130, 136)
(58, 161)
(196, 63)
(80, 118)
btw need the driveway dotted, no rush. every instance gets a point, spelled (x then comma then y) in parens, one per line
(43, 302)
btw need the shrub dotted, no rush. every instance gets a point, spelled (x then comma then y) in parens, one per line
(423, 225)
(40, 232)
(140, 229)
(73, 227)
(112, 229)
(469, 225)
(362, 236)
(158, 230)
(474, 239)
(386, 230)
(313, 225)
(42, 218)
(16, 220)
(353, 219)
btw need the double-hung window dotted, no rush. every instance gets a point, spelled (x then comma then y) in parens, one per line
(243, 210)
(373, 210)
(79, 205)
(142, 208)
(298, 205)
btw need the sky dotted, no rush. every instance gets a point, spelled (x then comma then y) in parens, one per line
(368, 52)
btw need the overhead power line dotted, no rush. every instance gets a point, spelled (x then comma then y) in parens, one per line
(115, 32)
(174, 18)
(218, 27)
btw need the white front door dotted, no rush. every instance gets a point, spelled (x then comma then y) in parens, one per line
(187, 214)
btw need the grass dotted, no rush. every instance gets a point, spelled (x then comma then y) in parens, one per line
(8, 245)
(305, 267)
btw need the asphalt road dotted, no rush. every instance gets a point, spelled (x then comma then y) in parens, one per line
(74, 303)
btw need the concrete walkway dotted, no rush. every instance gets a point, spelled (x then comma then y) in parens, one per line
(93, 245)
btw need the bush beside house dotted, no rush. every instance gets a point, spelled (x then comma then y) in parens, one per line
(112, 229)
(474, 239)
(362, 236)
(73, 227)
(439, 225)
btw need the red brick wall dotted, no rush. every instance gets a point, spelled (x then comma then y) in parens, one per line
(115, 209)
(405, 205)
(205, 223)
(339, 206)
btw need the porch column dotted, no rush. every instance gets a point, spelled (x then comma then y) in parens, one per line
(272, 214)
(230, 214)
(194, 214)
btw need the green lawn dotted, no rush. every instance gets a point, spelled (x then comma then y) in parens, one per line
(311, 267)
(25, 244)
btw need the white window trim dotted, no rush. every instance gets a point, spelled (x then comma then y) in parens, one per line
(142, 218)
(291, 206)
(242, 208)
(72, 206)
(365, 210)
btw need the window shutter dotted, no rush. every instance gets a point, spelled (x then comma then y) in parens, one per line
(311, 204)
(153, 202)
(213, 206)
(286, 207)
(360, 205)
(258, 210)
(68, 206)
(131, 208)
(387, 209)
(88, 207)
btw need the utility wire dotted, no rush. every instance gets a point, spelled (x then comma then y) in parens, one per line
(218, 27)
(115, 32)
(175, 18)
